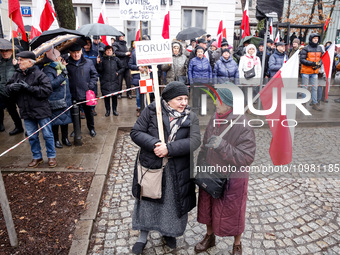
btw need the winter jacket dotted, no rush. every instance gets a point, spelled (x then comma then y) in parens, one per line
(237, 149)
(292, 52)
(82, 77)
(226, 70)
(58, 83)
(310, 55)
(276, 61)
(120, 49)
(199, 71)
(206, 52)
(247, 62)
(99, 48)
(92, 55)
(266, 67)
(178, 67)
(108, 69)
(145, 134)
(33, 102)
(6, 72)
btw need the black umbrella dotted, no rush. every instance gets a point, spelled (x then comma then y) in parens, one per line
(50, 34)
(5, 44)
(189, 33)
(99, 29)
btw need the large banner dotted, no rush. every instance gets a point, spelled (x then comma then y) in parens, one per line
(153, 52)
(139, 9)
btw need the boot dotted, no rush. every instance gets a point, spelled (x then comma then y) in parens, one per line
(237, 249)
(207, 242)
(107, 114)
(66, 142)
(2, 127)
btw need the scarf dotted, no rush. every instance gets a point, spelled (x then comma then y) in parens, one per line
(250, 63)
(58, 66)
(222, 116)
(176, 119)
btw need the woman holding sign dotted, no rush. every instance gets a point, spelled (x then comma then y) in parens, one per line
(168, 214)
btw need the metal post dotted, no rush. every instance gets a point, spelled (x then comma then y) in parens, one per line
(6, 211)
(263, 60)
(76, 124)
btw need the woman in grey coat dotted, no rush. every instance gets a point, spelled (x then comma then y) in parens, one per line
(169, 214)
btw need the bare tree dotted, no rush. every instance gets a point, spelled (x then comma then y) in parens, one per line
(65, 13)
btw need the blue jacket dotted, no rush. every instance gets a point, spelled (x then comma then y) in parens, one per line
(199, 70)
(82, 77)
(92, 55)
(276, 61)
(226, 70)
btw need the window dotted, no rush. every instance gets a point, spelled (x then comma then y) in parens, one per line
(194, 17)
(132, 27)
(83, 15)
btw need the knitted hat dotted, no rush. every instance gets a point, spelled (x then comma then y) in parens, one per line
(174, 89)
(296, 40)
(26, 54)
(224, 42)
(215, 44)
(224, 50)
(226, 96)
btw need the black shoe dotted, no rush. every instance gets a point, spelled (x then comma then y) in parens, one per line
(2, 127)
(16, 131)
(72, 134)
(170, 241)
(107, 114)
(115, 113)
(58, 144)
(94, 113)
(93, 133)
(66, 142)
(138, 247)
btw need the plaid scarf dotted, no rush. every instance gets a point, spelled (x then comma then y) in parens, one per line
(58, 67)
(176, 119)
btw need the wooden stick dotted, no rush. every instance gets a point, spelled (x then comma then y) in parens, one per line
(158, 103)
(6, 211)
(12, 37)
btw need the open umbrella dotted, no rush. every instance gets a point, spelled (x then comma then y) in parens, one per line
(252, 39)
(189, 33)
(5, 44)
(50, 34)
(98, 29)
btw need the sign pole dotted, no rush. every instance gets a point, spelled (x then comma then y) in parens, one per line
(158, 103)
(6, 211)
(12, 37)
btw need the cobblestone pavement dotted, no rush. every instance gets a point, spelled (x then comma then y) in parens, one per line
(295, 215)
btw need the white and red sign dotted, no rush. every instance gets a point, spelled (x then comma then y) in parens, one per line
(145, 86)
(153, 52)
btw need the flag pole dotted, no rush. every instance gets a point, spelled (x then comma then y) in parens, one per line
(140, 38)
(12, 36)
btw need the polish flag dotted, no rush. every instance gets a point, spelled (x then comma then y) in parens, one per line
(219, 33)
(281, 147)
(277, 38)
(327, 61)
(15, 15)
(224, 33)
(42, 19)
(271, 36)
(245, 21)
(326, 24)
(166, 23)
(103, 20)
(138, 35)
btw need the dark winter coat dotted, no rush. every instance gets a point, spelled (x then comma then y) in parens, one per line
(108, 69)
(6, 72)
(92, 55)
(226, 70)
(99, 48)
(227, 214)
(33, 103)
(260, 55)
(309, 55)
(132, 65)
(58, 93)
(199, 71)
(145, 134)
(82, 77)
(120, 49)
(276, 61)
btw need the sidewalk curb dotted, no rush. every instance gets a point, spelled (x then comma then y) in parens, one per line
(82, 234)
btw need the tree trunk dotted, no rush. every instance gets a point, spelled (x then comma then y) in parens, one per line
(65, 13)
(288, 10)
(320, 10)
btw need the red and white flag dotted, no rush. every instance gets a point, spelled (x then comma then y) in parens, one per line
(137, 35)
(271, 36)
(245, 21)
(166, 23)
(277, 38)
(326, 23)
(219, 33)
(281, 146)
(42, 19)
(15, 15)
(327, 61)
(103, 20)
(145, 86)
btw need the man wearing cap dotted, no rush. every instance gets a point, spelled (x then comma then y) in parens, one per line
(97, 45)
(207, 54)
(310, 58)
(32, 88)
(277, 59)
(7, 69)
(218, 53)
(295, 44)
(270, 48)
(260, 55)
(123, 53)
(82, 77)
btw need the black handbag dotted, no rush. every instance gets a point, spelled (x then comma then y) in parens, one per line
(60, 103)
(250, 73)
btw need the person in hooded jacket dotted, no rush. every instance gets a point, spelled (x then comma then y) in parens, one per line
(56, 71)
(89, 53)
(109, 68)
(122, 52)
(226, 69)
(168, 215)
(277, 59)
(177, 70)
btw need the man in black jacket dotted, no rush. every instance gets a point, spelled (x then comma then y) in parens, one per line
(123, 53)
(32, 88)
(82, 77)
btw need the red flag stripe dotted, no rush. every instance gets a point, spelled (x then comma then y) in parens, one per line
(15, 15)
(166, 25)
(47, 17)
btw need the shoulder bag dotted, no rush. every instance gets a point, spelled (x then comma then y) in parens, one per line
(60, 103)
(250, 73)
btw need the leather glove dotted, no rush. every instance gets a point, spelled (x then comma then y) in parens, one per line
(64, 72)
(14, 87)
(213, 142)
(24, 85)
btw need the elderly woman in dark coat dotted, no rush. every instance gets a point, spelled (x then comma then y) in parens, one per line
(226, 69)
(168, 215)
(109, 69)
(225, 216)
(56, 71)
